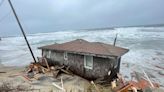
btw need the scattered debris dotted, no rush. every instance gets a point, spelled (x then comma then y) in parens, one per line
(118, 85)
(44, 68)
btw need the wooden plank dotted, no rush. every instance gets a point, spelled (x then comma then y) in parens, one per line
(48, 67)
(66, 72)
(57, 86)
(55, 73)
(95, 86)
(62, 83)
(27, 78)
(148, 79)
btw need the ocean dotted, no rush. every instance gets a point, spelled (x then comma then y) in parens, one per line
(146, 45)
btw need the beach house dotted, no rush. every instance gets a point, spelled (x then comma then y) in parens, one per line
(90, 60)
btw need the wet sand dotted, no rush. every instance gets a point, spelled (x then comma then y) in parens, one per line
(44, 83)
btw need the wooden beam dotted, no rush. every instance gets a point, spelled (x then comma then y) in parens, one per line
(47, 64)
(95, 86)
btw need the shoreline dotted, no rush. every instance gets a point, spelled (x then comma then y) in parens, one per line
(13, 74)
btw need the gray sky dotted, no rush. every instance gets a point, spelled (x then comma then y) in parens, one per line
(55, 15)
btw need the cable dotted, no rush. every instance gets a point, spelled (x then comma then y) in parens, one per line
(6, 15)
(1, 2)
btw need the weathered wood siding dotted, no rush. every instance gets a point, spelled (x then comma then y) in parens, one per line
(101, 66)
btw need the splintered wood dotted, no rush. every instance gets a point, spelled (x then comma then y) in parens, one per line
(60, 69)
(43, 67)
(140, 84)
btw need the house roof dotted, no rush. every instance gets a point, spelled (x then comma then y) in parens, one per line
(83, 46)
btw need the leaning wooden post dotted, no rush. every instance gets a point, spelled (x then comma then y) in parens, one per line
(47, 63)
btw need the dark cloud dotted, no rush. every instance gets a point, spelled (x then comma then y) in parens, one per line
(54, 15)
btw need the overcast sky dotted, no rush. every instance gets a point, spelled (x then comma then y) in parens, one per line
(55, 15)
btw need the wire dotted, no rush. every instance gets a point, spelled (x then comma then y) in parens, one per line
(1, 2)
(6, 15)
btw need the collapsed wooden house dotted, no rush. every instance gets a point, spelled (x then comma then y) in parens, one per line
(90, 60)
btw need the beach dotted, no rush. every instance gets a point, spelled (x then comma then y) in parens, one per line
(13, 76)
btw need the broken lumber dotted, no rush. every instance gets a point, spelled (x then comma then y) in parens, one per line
(148, 79)
(57, 86)
(27, 78)
(65, 71)
(95, 86)
(48, 67)
(56, 73)
(62, 87)
(62, 83)
(60, 67)
(44, 68)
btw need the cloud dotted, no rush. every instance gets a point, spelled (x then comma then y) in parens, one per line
(52, 15)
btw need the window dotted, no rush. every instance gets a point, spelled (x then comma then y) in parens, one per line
(88, 62)
(65, 56)
(47, 53)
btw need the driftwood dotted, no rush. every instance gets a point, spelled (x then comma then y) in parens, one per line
(95, 86)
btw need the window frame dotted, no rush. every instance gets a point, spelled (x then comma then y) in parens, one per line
(85, 62)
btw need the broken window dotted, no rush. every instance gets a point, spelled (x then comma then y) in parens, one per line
(65, 56)
(88, 62)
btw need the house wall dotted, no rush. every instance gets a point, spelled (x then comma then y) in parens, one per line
(101, 66)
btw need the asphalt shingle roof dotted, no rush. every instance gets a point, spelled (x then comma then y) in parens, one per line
(84, 46)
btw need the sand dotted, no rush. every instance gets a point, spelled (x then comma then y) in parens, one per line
(44, 82)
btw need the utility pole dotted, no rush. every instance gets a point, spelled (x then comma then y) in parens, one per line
(115, 40)
(24, 35)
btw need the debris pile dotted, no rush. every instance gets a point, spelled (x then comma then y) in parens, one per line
(117, 85)
(42, 67)
(140, 84)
